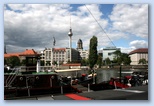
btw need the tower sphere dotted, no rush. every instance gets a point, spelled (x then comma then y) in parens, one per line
(70, 33)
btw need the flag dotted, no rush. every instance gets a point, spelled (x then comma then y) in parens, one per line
(54, 41)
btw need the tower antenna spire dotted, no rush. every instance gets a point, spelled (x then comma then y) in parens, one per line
(70, 34)
(70, 20)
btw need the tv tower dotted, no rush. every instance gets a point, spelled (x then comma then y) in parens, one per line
(70, 34)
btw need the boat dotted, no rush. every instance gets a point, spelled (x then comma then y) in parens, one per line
(19, 83)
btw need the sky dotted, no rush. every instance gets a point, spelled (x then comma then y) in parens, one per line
(33, 26)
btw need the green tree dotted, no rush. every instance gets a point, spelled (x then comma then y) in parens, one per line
(84, 62)
(107, 61)
(117, 58)
(13, 61)
(93, 52)
(142, 61)
(121, 58)
(99, 61)
(126, 59)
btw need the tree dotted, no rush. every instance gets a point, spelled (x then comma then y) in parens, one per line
(126, 59)
(107, 61)
(13, 61)
(84, 62)
(117, 59)
(99, 61)
(93, 52)
(121, 58)
(142, 61)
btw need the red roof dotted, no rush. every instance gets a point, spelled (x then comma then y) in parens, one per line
(28, 52)
(25, 53)
(59, 49)
(140, 50)
(73, 64)
(11, 54)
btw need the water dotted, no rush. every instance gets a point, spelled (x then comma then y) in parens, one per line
(105, 75)
(102, 75)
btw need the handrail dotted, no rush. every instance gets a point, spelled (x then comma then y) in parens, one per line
(11, 77)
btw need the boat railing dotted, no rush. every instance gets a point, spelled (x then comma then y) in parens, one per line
(46, 68)
(12, 77)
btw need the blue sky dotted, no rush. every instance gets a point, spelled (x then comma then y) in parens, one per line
(32, 26)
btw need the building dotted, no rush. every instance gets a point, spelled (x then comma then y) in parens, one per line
(79, 45)
(136, 55)
(59, 55)
(29, 56)
(22, 55)
(83, 53)
(108, 52)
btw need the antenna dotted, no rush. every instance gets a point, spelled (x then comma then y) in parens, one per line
(70, 20)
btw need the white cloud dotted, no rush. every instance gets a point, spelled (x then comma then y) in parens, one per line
(126, 50)
(131, 18)
(34, 25)
(139, 44)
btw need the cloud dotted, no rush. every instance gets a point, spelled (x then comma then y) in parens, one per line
(34, 25)
(139, 44)
(131, 18)
(28, 26)
(126, 50)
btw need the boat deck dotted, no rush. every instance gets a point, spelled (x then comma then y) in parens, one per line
(133, 93)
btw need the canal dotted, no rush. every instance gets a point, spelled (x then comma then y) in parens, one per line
(102, 74)
(105, 75)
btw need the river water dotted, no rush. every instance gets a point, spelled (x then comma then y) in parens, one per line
(105, 75)
(102, 75)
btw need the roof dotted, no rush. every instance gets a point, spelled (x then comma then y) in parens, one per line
(79, 41)
(27, 52)
(73, 64)
(59, 49)
(11, 54)
(140, 50)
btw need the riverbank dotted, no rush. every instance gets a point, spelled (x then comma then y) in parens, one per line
(125, 67)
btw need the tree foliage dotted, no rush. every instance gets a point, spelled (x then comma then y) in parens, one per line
(93, 52)
(107, 61)
(13, 61)
(121, 58)
(99, 61)
(84, 62)
(126, 59)
(142, 61)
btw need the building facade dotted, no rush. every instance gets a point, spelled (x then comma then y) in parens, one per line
(83, 53)
(136, 55)
(108, 52)
(59, 55)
